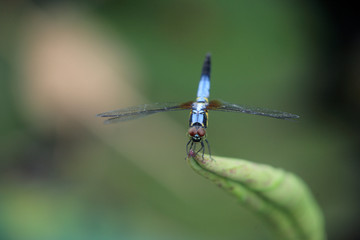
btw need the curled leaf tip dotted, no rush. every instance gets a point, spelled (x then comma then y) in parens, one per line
(280, 197)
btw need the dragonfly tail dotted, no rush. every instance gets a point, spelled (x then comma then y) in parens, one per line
(207, 66)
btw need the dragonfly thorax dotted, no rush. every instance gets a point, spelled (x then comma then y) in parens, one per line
(198, 115)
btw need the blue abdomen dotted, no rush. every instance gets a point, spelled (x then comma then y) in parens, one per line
(204, 84)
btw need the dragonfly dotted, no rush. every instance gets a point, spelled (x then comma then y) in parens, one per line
(199, 108)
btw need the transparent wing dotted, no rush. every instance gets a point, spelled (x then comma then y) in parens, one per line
(219, 105)
(140, 111)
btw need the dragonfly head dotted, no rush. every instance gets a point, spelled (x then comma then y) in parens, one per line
(196, 133)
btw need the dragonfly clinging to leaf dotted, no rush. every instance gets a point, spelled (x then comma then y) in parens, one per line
(198, 111)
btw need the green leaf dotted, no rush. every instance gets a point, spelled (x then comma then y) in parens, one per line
(280, 198)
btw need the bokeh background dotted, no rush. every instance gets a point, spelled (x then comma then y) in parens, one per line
(65, 175)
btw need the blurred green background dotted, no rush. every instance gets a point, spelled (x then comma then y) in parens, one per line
(65, 175)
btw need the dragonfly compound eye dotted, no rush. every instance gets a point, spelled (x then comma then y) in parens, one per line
(201, 132)
(192, 131)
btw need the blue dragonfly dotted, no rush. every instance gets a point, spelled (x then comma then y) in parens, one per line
(198, 121)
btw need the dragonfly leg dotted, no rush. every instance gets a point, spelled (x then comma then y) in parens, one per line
(191, 147)
(201, 148)
(187, 147)
(208, 145)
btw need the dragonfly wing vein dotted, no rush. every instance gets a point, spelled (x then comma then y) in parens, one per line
(123, 118)
(140, 111)
(219, 105)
